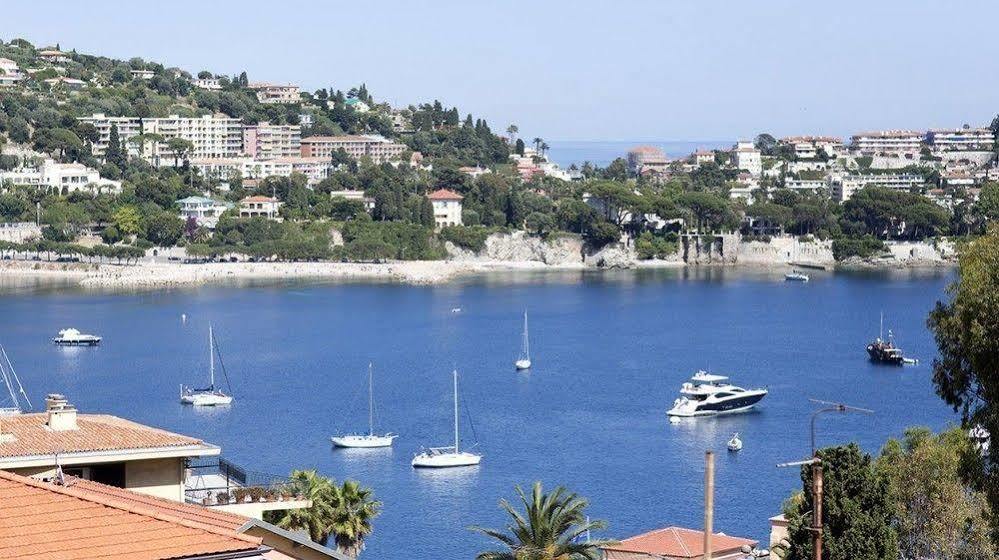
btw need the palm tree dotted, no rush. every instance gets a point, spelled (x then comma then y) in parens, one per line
(315, 519)
(551, 528)
(353, 509)
(512, 131)
(544, 148)
(537, 144)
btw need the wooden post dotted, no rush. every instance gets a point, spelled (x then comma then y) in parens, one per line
(817, 511)
(709, 501)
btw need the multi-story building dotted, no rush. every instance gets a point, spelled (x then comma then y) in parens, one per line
(61, 177)
(315, 169)
(646, 158)
(369, 202)
(447, 207)
(211, 136)
(54, 56)
(276, 93)
(268, 141)
(890, 142)
(843, 188)
(703, 156)
(262, 206)
(210, 84)
(811, 185)
(965, 139)
(204, 210)
(143, 74)
(747, 157)
(807, 147)
(8, 66)
(377, 148)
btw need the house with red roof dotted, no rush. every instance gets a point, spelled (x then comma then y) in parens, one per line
(447, 207)
(678, 543)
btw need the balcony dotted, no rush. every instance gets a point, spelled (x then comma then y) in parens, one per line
(217, 483)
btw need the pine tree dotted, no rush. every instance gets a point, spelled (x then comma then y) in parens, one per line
(427, 213)
(115, 153)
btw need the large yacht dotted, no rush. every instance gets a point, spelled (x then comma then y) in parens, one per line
(73, 337)
(707, 394)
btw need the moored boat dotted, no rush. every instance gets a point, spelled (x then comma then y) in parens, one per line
(73, 337)
(450, 456)
(370, 439)
(882, 351)
(708, 394)
(211, 395)
(795, 276)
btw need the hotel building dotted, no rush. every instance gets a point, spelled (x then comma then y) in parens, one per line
(268, 141)
(375, 147)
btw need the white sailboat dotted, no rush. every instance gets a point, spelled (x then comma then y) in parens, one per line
(524, 362)
(735, 444)
(370, 439)
(211, 395)
(452, 456)
(10, 379)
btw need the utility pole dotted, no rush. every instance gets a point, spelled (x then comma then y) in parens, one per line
(709, 501)
(816, 463)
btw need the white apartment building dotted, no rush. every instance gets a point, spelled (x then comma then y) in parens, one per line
(262, 206)
(843, 188)
(961, 139)
(276, 93)
(8, 66)
(64, 178)
(378, 148)
(268, 141)
(210, 84)
(811, 185)
(703, 156)
(212, 136)
(225, 169)
(807, 147)
(894, 142)
(447, 207)
(369, 202)
(205, 211)
(747, 157)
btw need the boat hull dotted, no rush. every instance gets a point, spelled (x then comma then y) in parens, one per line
(718, 408)
(879, 356)
(362, 441)
(206, 400)
(522, 364)
(75, 342)
(446, 460)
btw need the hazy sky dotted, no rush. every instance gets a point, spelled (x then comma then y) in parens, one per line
(608, 70)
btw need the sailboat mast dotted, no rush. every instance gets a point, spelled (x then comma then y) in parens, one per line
(371, 402)
(211, 356)
(527, 341)
(455, 411)
(881, 329)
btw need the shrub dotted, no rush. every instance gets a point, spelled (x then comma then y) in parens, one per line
(472, 238)
(863, 247)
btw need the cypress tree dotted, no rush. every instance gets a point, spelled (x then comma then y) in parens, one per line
(115, 153)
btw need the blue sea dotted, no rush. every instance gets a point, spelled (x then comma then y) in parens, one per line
(610, 351)
(601, 153)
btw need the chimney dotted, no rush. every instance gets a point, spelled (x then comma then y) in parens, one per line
(62, 415)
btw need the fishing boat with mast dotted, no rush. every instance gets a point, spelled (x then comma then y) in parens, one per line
(451, 456)
(883, 351)
(211, 395)
(524, 361)
(370, 439)
(10, 380)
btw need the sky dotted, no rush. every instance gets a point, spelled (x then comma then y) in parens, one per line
(583, 69)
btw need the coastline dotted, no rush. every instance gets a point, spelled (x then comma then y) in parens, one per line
(167, 275)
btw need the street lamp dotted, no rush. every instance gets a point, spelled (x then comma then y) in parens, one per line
(816, 465)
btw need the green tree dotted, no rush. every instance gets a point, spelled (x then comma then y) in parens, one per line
(966, 373)
(180, 148)
(988, 202)
(127, 220)
(856, 510)
(549, 528)
(315, 519)
(164, 228)
(115, 153)
(936, 514)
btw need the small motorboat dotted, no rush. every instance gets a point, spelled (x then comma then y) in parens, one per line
(455, 310)
(73, 337)
(795, 276)
(735, 444)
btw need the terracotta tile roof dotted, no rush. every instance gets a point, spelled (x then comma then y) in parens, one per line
(221, 520)
(444, 194)
(96, 432)
(40, 520)
(678, 542)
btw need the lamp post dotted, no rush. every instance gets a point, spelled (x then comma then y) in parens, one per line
(816, 465)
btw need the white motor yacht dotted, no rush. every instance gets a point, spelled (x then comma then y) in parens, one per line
(73, 337)
(707, 394)
(211, 395)
(451, 456)
(370, 439)
(795, 276)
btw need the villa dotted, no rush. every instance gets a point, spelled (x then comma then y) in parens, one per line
(54, 56)
(447, 207)
(270, 94)
(204, 210)
(747, 158)
(61, 177)
(143, 74)
(677, 543)
(210, 84)
(259, 206)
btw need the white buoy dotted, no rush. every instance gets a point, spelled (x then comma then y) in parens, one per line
(183, 317)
